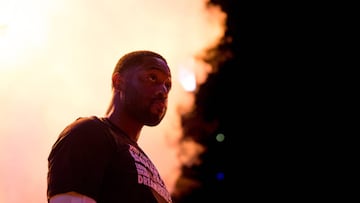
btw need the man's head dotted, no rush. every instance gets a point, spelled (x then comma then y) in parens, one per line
(134, 58)
(141, 81)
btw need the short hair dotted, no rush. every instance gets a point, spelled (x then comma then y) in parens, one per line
(135, 58)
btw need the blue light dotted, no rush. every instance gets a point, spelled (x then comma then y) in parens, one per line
(220, 176)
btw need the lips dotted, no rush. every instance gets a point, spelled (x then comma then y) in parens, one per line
(159, 106)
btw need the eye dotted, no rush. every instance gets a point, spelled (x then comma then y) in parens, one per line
(168, 85)
(152, 77)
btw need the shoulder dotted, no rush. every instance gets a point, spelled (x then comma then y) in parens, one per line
(86, 130)
(85, 125)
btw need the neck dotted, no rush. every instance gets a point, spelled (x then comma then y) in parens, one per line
(129, 129)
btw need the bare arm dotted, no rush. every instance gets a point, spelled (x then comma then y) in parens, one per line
(71, 197)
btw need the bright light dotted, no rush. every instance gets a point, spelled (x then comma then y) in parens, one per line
(22, 31)
(187, 79)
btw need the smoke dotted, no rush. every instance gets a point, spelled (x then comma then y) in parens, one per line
(56, 60)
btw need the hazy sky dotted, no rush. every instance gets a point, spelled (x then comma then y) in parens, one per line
(56, 60)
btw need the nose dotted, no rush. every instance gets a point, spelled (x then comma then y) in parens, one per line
(163, 91)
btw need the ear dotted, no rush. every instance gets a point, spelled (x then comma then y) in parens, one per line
(117, 81)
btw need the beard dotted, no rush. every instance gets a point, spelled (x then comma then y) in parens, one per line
(148, 110)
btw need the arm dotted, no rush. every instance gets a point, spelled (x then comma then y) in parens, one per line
(71, 197)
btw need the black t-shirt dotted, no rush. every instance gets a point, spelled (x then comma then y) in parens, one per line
(94, 158)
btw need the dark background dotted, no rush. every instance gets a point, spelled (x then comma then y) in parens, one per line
(268, 98)
(217, 103)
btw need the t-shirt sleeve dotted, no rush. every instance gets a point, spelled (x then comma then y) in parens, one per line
(79, 158)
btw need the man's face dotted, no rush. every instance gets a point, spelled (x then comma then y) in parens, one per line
(146, 92)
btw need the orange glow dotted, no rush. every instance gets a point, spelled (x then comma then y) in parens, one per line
(56, 60)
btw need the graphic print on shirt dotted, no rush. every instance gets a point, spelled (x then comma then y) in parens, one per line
(148, 174)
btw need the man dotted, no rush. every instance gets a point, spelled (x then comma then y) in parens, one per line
(97, 159)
